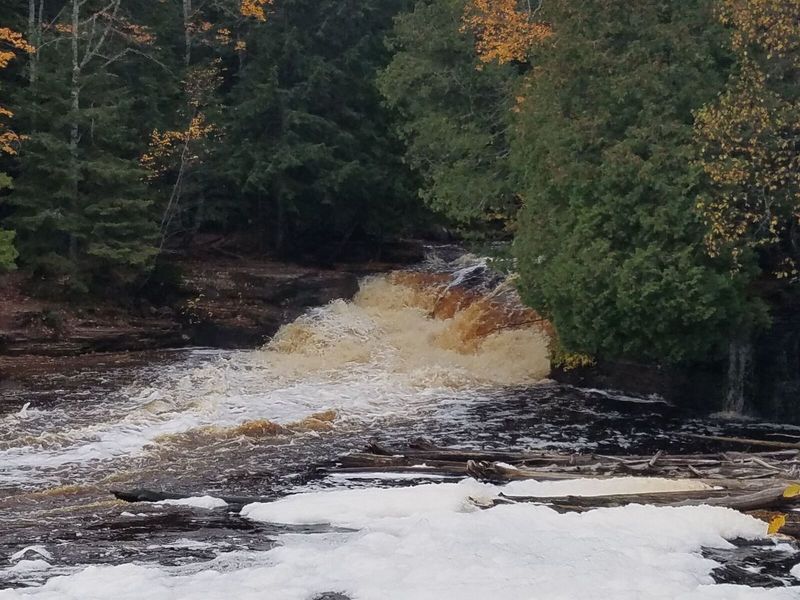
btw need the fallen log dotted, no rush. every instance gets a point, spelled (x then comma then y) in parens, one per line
(747, 441)
(497, 472)
(145, 495)
(433, 453)
(582, 503)
(783, 496)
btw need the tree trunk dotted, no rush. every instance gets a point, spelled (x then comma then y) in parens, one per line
(74, 133)
(187, 33)
(32, 40)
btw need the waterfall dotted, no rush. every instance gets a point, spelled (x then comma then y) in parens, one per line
(740, 354)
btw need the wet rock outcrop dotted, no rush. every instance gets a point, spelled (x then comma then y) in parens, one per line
(221, 303)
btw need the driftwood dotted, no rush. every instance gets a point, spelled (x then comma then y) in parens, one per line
(145, 495)
(730, 469)
(746, 481)
(745, 441)
(780, 496)
(757, 482)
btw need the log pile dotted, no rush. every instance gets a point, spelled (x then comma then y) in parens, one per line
(764, 484)
(735, 470)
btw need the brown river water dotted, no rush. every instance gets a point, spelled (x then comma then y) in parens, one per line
(445, 351)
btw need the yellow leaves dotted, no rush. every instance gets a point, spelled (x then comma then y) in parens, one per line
(223, 36)
(165, 147)
(9, 141)
(201, 81)
(771, 25)
(64, 28)
(138, 34)
(254, 9)
(792, 491)
(747, 138)
(775, 524)
(503, 32)
(15, 40)
(10, 43)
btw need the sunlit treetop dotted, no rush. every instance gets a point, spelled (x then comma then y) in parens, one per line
(11, 42)
(504, 29)
(255, 9)
(773, 26)
(748, 138)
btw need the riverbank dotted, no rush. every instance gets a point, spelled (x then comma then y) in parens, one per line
(222, 302)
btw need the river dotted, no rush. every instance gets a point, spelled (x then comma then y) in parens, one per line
(444, 351)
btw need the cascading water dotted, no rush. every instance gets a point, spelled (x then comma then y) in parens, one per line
(740, 355)
(405, 339)
(446, 350)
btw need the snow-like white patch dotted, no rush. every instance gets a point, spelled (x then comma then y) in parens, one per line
(361, 507)
(27, 566)
(430, 543)
(40, 550)
(795, 572)
(182, 543)
(385, 476)
(207, 502)
(600, 487)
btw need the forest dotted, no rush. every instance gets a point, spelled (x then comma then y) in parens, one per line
(643, 157)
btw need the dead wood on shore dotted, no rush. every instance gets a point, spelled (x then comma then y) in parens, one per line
(759, 483)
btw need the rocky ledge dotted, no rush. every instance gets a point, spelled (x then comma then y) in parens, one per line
(223, 303)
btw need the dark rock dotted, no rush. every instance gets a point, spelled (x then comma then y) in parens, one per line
(223, 303)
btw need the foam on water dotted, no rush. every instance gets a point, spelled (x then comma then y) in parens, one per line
(430, 542)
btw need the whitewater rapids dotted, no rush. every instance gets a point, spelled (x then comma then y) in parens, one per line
(405, 342)
(411, 346)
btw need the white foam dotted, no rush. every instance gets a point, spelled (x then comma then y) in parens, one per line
(29, 566)
(207, 502)
(40, 550)
(429, 543)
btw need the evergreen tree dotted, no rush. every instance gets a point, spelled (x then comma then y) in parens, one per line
(11, 43)
(308, 143)
(455, 113)
(610, 248)
(81, 209)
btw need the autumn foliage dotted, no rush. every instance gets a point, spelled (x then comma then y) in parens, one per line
(255, 9)
(749, 138)
(11, 42)
(504, 31)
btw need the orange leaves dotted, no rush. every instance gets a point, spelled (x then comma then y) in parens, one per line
(10, 43)
(254, 9)
(166, 147)
(138, 34)
(186, 147)
(503, 32)
(9, 141)
(771, 25)
(748, 137)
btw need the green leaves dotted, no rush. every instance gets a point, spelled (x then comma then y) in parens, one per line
(455, 113)
(609, 246)
(8, 254)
